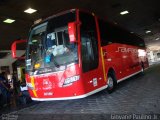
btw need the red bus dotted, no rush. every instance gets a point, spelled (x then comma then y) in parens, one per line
(75, 54)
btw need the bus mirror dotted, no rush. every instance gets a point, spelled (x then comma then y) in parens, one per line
(72, 31)
(14, 48)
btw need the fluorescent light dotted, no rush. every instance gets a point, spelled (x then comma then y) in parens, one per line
(157, 38)
(9, 21)
(30, 10)
(141, 52)
(124, 12)
(148, 31)
(34, 41)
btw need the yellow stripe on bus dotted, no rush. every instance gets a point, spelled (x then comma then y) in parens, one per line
(32, 82)
(103, 65)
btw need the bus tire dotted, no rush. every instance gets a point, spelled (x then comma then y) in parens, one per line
(112, 82)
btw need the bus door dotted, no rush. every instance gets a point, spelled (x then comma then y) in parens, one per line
(92, 72)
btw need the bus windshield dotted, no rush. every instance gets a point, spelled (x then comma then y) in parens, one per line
(49, 46)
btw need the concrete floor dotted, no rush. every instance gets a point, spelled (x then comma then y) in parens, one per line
(137, 95)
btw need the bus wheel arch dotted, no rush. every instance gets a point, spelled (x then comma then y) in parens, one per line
(111, 80)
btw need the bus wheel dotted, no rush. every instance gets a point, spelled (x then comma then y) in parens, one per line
(111, 82)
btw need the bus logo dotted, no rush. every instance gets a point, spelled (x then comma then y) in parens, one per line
(127, 50)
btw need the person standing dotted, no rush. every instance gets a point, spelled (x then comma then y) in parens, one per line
(4, 89)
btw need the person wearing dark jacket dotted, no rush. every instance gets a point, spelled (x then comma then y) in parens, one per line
(4, 88)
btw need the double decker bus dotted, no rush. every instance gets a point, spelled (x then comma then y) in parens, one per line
(75, 54)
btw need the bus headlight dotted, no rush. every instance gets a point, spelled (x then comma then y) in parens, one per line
(70, 80)
(30, 86)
